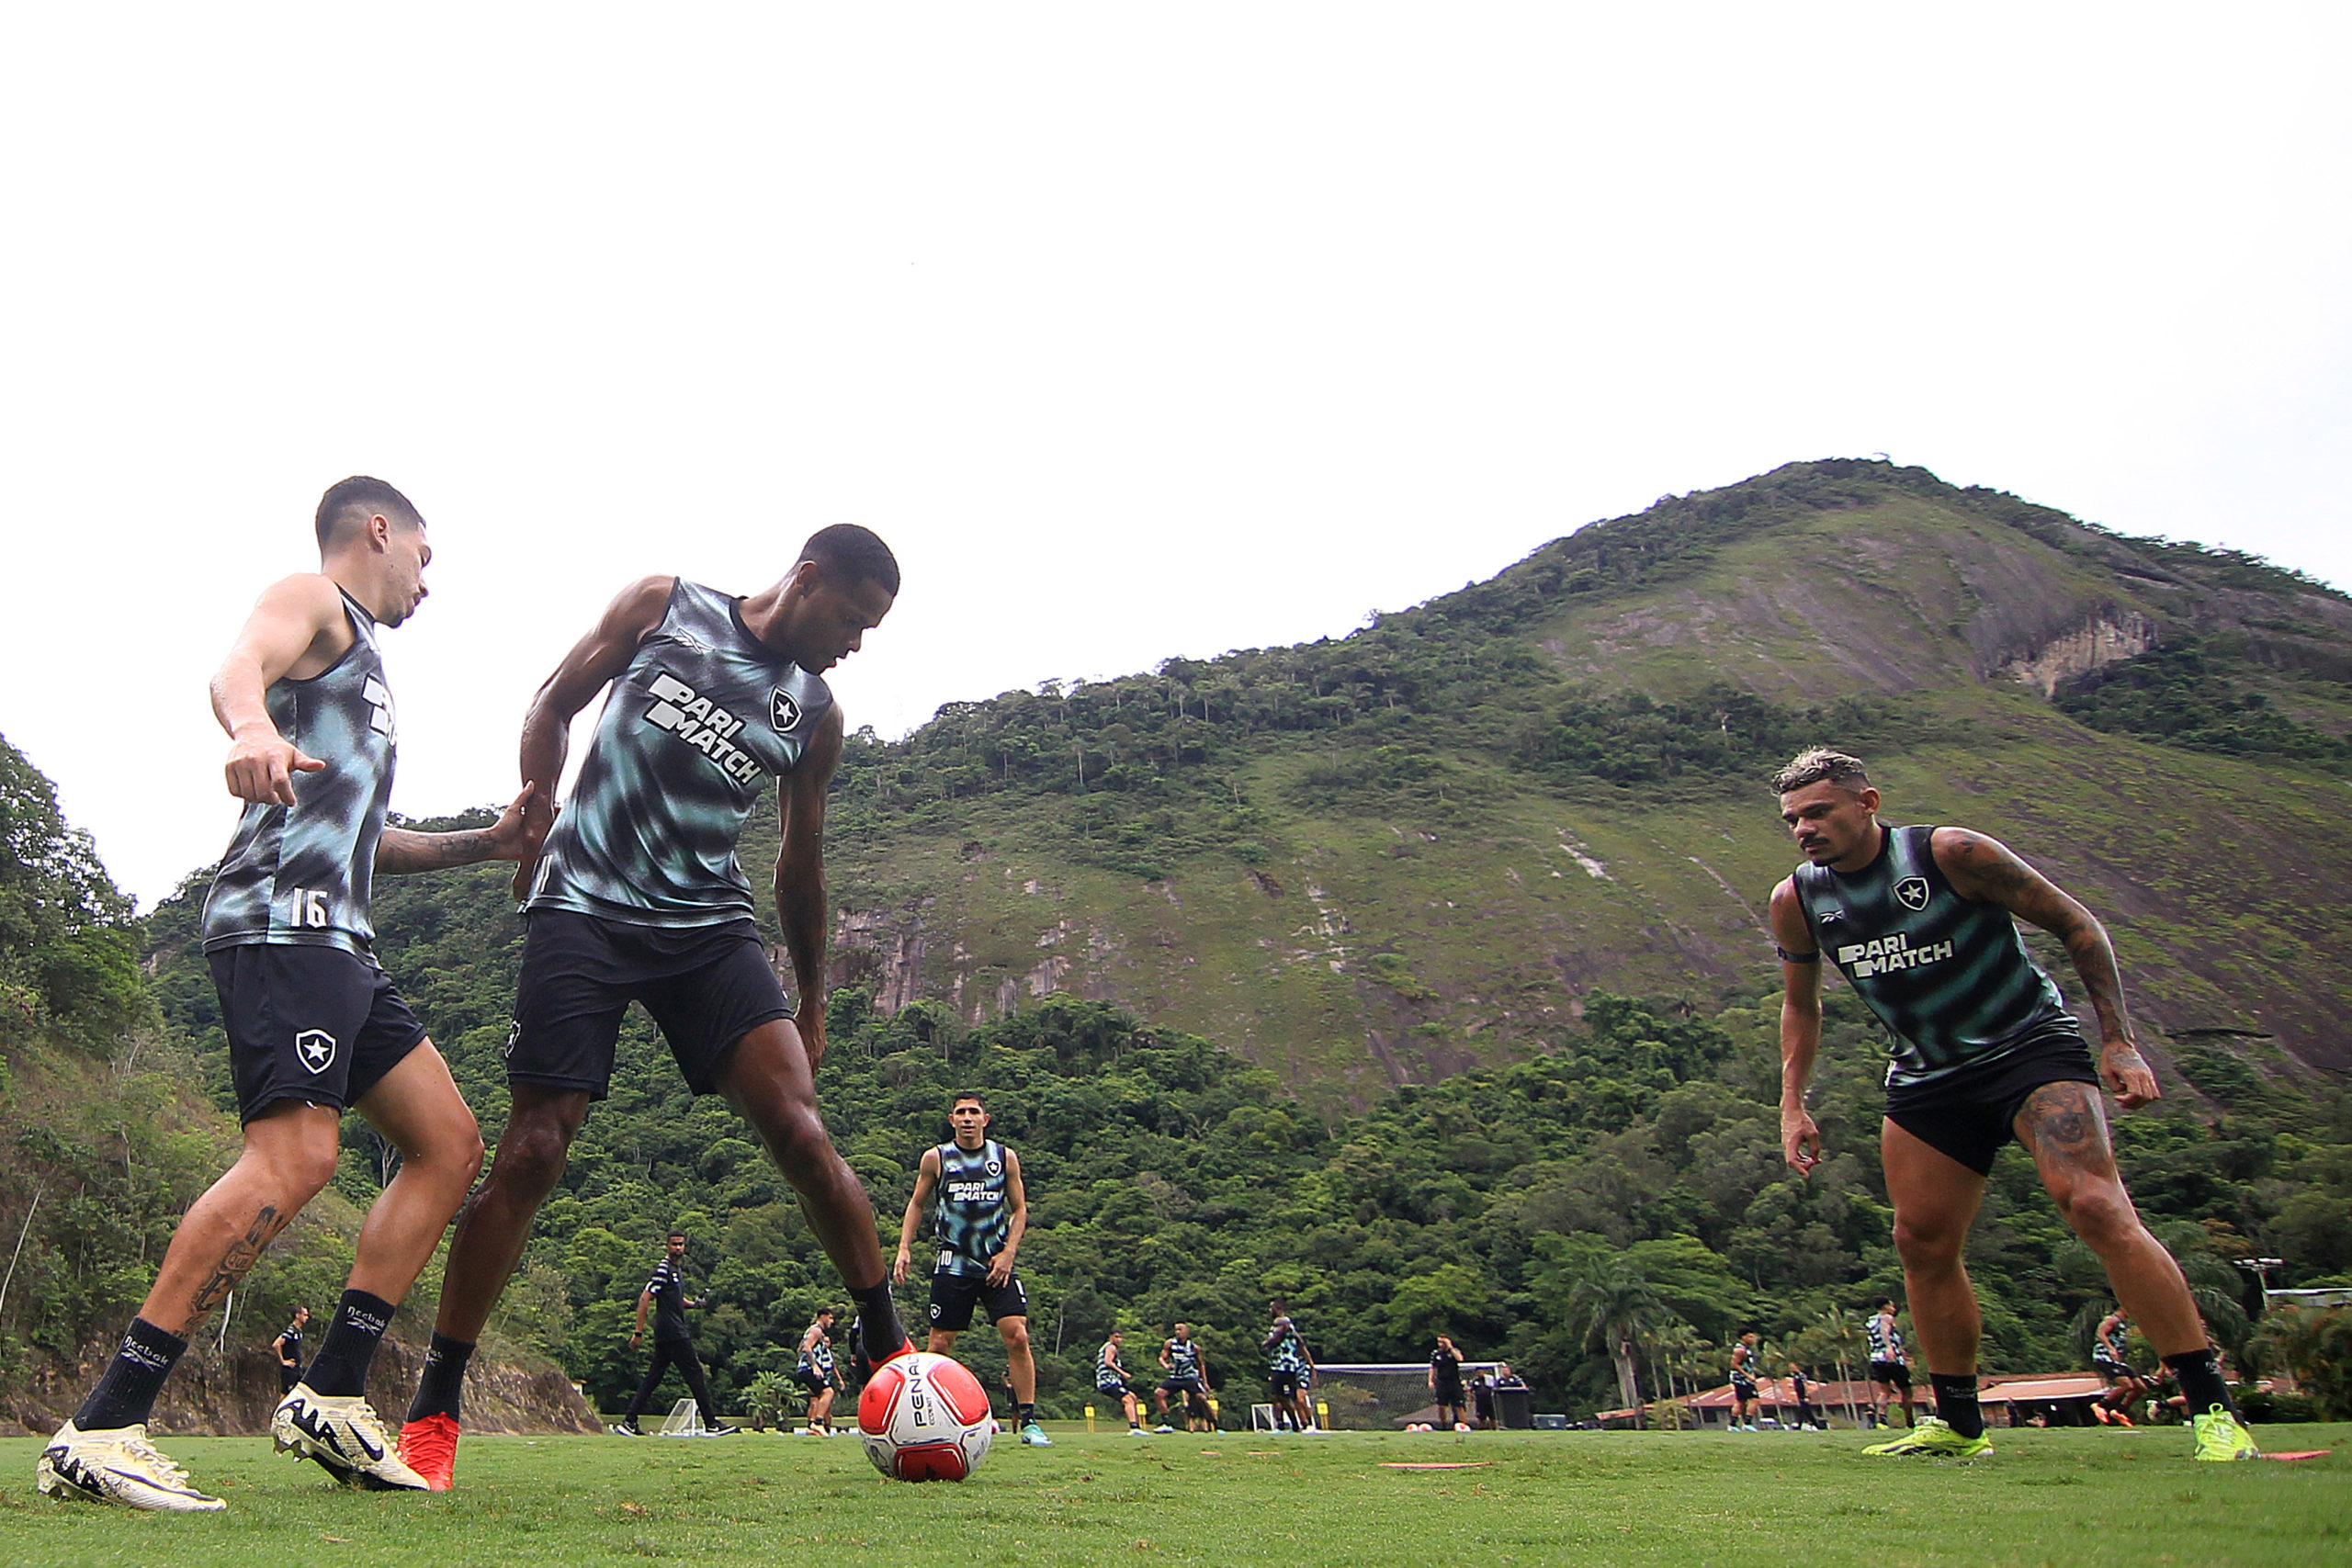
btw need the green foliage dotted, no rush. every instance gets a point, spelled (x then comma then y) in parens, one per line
(1721, 736)
(2191, 693)
(69, 941)
(2314, 1346)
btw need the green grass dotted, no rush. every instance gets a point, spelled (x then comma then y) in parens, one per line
(2074, 1498)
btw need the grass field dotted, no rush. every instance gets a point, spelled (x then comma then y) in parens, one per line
(2065, 1497)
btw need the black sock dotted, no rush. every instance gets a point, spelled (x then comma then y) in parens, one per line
(877, 1321)
(2201, 1381)
(1956, 1403)
(126, 1394)
(444, 1378)
(1023, 1414)
(341, 1370)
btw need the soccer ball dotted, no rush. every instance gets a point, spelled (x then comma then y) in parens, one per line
(925, 1418)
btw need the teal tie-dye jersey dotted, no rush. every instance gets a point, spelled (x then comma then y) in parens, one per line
(692, 730)
(302, 874)
(974, 1212)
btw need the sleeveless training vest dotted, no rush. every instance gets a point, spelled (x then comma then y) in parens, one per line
(1949, 977)
(302, 874)
(973, 1216)
(692, 730)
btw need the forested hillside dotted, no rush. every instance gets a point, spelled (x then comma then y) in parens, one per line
(1417, 976)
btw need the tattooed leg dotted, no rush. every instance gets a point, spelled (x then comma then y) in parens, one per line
(2064, 1126)
(289, 1154)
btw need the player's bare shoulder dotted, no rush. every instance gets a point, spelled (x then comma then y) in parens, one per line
(1977, 864)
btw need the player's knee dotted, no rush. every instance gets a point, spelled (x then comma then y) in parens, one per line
(1927, 1243)
(531, 1156)
(2099, 1213)
(1016, 1333)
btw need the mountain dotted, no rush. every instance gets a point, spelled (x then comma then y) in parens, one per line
(1392, 856)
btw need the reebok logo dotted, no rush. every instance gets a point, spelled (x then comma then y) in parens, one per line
(710, 730)
(1889, 954)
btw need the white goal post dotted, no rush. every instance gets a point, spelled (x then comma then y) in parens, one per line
(684, 1421)
(1381, 1395)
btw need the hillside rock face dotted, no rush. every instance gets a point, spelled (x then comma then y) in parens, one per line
(1400, 941)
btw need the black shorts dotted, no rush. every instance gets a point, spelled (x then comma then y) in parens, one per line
(1189, 1387)
(312, 1024)
(1111, 1390)
(1970, 1115)
(2115, 1372)
(706, 987)
(1895, 1374)
(815, 1382)
(1742, 1388)
(1448, 1394)
(952, 1296)
(1284, 1382)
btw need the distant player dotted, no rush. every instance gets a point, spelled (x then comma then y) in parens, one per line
(287, 1348)
(1922, 922)
(816, 1373)
(314, 1025)
(1800, 1390)
(1287, 1365)
(1746, 1356)
(1890, 1366)
(1445, 1384)
(972, 1185)
(674, 1345)
(1187, 1377)
(636, 895)
(2110, 1359)
(1111, 1381)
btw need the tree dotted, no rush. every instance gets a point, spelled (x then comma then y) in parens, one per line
(1612, 1307)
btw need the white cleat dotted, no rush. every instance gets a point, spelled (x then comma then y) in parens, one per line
(347, 1438)
(118, 1464)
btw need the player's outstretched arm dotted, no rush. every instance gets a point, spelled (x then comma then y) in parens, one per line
(515, 834)
(1016, 1203)
(297, 627)
(800, 876)
(593, 662)
(1987, 870)
(926, 1180)
(1800, 1025)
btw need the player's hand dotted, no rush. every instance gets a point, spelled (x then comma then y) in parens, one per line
(1800, 1141)
(635, 1338)
(1001, 1267)
(899, 1268)
(2127, 1075)
(523, 827)
(812, 1035)
(261, 769)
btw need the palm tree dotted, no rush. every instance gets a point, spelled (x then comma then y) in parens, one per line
(1612, 1306)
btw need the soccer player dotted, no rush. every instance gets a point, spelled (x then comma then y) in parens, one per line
(1188, 1377)
(1922, 923)
(287, 1348)
(1745, 1358)
(1287, 1366)
(971, 1185)
(1111, 1381)
(635, 896)
(1890, 1366)
(2110, 1359)
(1445, 1384)
(816, 1373)
(1800, 1390)
(674, 1345)
(314, 1025)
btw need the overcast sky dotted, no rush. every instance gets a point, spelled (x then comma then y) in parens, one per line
(1138, 331)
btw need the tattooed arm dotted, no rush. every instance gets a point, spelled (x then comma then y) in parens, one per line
(402, 850)
(1987, 870)
(1800, 1025)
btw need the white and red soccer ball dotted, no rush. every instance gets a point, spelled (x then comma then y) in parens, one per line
(925, 1418)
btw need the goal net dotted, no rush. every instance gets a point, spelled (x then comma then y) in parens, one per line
(686, 1420)
(1380, 1396)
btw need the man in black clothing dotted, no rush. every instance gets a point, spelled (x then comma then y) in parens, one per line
(287, 1348)
(666, 1294)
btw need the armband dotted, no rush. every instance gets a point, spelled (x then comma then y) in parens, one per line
(1788, 957)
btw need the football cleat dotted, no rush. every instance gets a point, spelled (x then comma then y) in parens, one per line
(722, 1430)
(1034, 1435)
(625, 1429)
(2223, 1437)
(1163, 1428)
(1935, 1436)
(347, 1438)
(116, 1465)
(429, 1445)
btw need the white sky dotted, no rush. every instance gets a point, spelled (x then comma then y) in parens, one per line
(1138, 331)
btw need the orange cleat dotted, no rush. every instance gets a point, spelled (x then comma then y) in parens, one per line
(429, 1447)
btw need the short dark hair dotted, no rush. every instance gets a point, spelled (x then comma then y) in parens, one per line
(349, 500)
(850, 554)
(971, 1094)
(675, 1235)
(827, 1311)
(1884, 1301)
(1822, 766)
